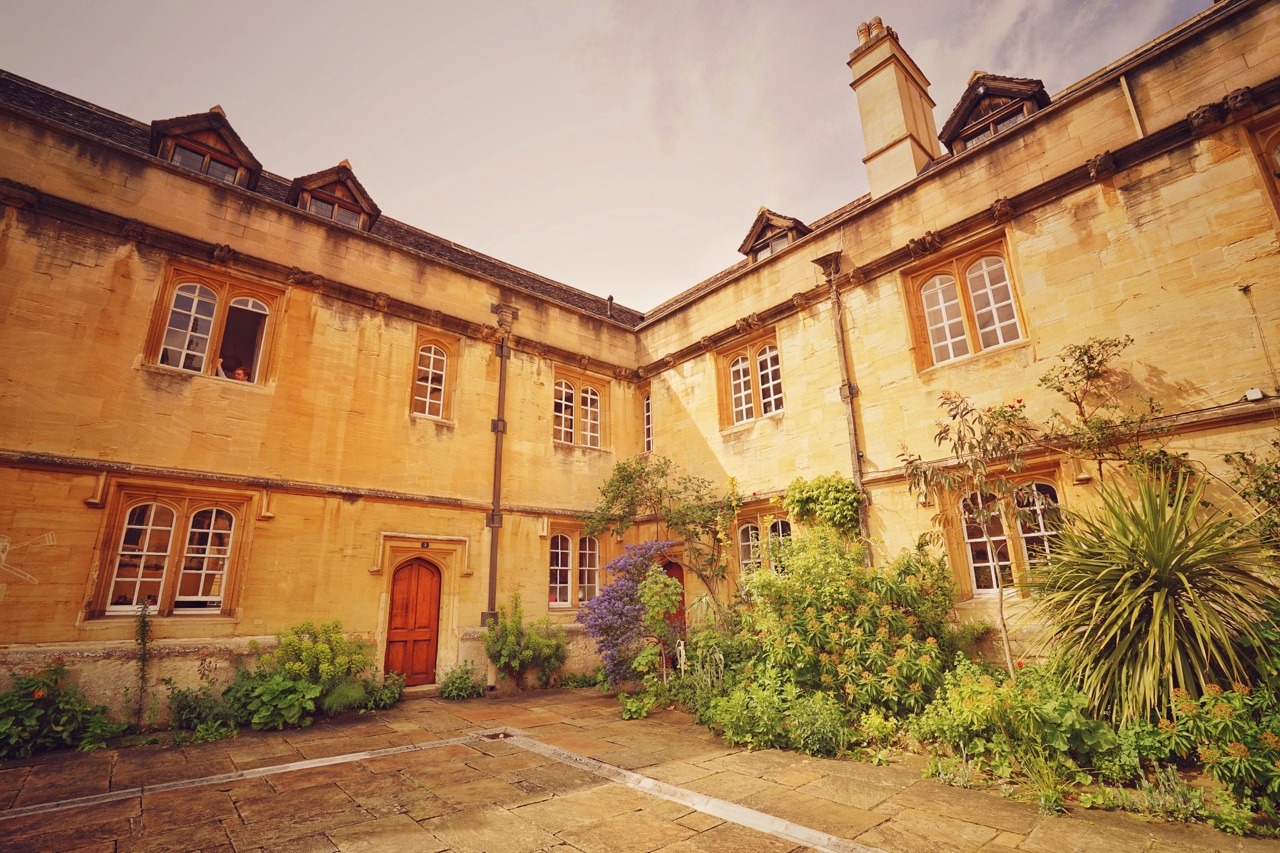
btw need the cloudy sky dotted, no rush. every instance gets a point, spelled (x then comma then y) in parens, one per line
(620, 146)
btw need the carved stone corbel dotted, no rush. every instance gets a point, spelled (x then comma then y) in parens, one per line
(749, 323)
(626, 374)
(707, 344)
(223, 254)
(1240, 103)
(668, 361)
(381, 301)
(1101, 167)
(136, 231)
(856, 276)
(301, 276)
(1207, 118)
(432, 317)
(925, 245)
(1002, 210)
(16, 195)
(507, 315)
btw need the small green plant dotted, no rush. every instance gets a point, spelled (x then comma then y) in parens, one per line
(43, 711)
(516, 648)
(462, 682)
(280, 700)
(579, 680)
(816, 724)
(142, 638)
(322, 655)
(381, 695)
(200, 709)
(636, 706)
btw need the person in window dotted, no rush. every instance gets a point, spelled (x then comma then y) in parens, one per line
(240, 374)
(238, 371)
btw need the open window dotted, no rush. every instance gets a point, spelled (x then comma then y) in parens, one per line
(214, 325)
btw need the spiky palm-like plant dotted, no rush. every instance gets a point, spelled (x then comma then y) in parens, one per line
(1151, 593)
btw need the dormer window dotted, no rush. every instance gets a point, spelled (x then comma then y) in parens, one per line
(189, 157)
(990, 106)
(770, 234)
(205, 144)
(335, 195)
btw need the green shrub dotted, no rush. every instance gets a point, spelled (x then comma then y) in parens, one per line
(816, 724)
(280, 700)
(578, 680)
(380, 695)
(990, 719)
(1150, 594)
(461, 682)
(322, 655)
(753, 714)
(516, 648)
(42, 711)
(201, 711)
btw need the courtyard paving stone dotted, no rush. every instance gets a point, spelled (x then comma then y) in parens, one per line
(577, 779)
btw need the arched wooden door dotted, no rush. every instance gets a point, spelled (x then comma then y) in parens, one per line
(675, 570)
(413, 624)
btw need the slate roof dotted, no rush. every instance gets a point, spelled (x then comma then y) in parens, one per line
(86, 118)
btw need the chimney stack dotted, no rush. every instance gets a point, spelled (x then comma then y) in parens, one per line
(894, 106)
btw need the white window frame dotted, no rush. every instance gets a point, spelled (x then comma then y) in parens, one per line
(972, 314)
(589, 406)
(769, 374)
(560, 564)
(648, 423)
(588, 568)
(749, 558)
(429, 381)
(742, 398)
(562, 427)
(574, 569)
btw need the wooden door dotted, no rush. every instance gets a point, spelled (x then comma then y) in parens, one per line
(414, 621)
(675, 570)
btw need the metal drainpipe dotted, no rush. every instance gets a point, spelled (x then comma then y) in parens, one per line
(830, 265)
(506, 317)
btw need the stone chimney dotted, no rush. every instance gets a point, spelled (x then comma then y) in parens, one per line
(895, 108)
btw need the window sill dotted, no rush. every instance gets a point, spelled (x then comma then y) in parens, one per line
(995, 351)
(178, 373)
(566, 446)
(440, 422)
(734, 429)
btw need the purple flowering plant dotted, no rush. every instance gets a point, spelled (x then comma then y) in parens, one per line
(615, 617)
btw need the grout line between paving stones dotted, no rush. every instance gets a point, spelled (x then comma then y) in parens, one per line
(732, 812)
(723, 809)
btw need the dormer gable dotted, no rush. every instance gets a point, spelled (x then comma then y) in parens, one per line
(770, 233)
(989, 105)
(336, 195)
(206, 143)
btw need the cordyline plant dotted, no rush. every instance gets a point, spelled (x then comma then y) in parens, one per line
(616, 617)
(986, 447)
(1152, 594)
(685, 507)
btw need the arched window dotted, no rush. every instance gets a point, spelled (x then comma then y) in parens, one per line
(560, 566)
(1038, 521)
(428, 388)
(740, 390)
(204, 564)
(142, 558)
(589, 403)
(993, 311)
(769, 371)
(562, 427)
(986, 544)
(186, 338)
(749, 547)
(943, 318)
(215, 326)
(588, 568)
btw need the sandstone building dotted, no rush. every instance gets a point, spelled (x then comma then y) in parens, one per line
(249, 399)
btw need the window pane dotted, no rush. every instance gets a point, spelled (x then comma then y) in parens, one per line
(428, 388)
(943, 318)
(204, 563)
(559, 570)
(590, 400)
(187, 159)
(141, 558)
(562, 425)
(648, 424)
(1038, 521)
(347, 216)
(988, 548)
(187, 337)
(992, 302)
(221, 171)
(588, 568)
(749, 547)
(769, 369)
(321, 208)
(740, 390)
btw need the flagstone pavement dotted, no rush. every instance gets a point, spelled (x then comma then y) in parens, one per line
(554, 770)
